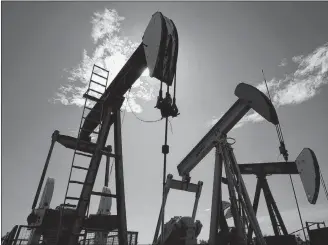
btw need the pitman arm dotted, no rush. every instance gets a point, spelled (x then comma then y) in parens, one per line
(249, 97)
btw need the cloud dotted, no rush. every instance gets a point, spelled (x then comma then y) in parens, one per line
(302, 85)
(111, 52)
(283, 62)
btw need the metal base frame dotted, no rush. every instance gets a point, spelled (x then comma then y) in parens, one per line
(224, 156)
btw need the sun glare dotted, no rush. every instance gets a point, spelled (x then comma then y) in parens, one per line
(145, 73)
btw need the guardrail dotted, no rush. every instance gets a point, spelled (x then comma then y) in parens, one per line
(20, 236)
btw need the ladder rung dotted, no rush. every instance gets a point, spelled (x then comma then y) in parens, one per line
(100, 76)
(91, 120)
(91, 109)
(95, 91)
(98, 83)
(73, 198)
(83, 154)
(68, 205)
(96, 193)
(76, 182)
(102, 68)
(87, 96)
(78, 167)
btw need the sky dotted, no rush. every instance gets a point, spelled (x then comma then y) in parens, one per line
(48, 49)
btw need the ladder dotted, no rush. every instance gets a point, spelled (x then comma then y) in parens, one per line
(91, 95)
(94, 94)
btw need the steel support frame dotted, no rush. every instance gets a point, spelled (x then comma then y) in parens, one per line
(255, 206)
(92, 173)
(224, 156)
(232, 193)
(216, 197)
(94, 165)
(119, 178)
(275, 216)
(160, 217)
(90, 178)
(170, 183)
(54, 138)
(107, 171)
(247, 203)
(274, 213)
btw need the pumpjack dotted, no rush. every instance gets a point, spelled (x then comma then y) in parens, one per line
(248, 98)
(306, 166)
(242, 211)
(71, 224)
